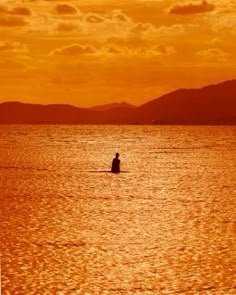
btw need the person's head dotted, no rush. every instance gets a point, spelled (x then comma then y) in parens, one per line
(117, 155)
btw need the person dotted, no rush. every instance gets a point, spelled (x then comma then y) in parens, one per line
(116, 164)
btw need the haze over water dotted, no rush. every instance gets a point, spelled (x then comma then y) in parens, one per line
(166, 226)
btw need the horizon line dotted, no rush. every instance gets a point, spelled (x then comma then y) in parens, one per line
(118, 102)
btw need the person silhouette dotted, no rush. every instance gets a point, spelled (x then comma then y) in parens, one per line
(115, 168)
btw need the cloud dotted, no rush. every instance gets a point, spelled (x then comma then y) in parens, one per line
(21, 11)
(13, 46)
(217, 40)
(224, 22)
(93, 18)
(101, 26)
(144, 27)
(3, 9)
(12, 21)
(226, 6)
(191, 8)
(65, 9)
(74, 49)
(112, 49)
(157, 50)
(98, 27)
(213, 54)
(66, 27)
(147, 31)
(162, 49)
(119, 16)
(171, 30)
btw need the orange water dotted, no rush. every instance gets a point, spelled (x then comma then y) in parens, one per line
(166, 226)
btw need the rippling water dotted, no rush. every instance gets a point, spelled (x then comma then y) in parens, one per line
(166, 226)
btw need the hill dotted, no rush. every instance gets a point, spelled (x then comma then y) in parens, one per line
(111, 106)
(214, 104)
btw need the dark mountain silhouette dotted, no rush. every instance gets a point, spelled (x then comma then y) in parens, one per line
(111, 106)
(24, 113)
(214, 104)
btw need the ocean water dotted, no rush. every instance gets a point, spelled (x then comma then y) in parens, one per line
(166, 225)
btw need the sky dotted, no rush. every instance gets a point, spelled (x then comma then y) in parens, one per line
(94, 52)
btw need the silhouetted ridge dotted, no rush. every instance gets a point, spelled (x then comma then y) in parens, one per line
(213, 104)
(111, 106)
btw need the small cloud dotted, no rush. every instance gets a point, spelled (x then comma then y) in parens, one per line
(114, 50)
(74, 49)
(94, 18)
(66, 27)
(13, 46)
(12, 21)
(65, 9)
(191, 8)
(217, 40)
(224, 22)
(176, 29)
(21, 11)
(119, 16)
(144, 28)
(213, 54)
(3, 9)
(161, 49)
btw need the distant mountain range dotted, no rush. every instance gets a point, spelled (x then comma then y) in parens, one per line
(210, 105)
(110, 106)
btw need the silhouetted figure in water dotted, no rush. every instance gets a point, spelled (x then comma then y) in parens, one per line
(116, 164)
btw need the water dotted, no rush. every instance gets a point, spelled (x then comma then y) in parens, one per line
(166, 226)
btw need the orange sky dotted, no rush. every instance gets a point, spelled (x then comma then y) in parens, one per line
(93, 52)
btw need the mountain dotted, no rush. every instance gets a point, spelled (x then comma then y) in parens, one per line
(24, 113)
(214, 104)
(17, 112)
(111, 106)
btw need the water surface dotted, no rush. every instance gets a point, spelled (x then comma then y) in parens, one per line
(166, 226)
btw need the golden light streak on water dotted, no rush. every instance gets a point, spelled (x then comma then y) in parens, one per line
(167, 226)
